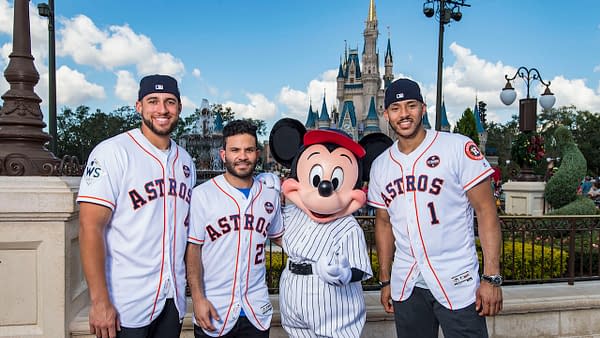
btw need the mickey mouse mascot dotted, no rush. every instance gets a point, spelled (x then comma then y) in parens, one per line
(320, 290)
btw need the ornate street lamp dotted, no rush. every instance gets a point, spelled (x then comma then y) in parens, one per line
(47, 11)
(444, 11)
(527, 107)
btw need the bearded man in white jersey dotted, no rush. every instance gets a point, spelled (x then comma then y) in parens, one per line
(425, 188)
(231, 217)
(134, 199)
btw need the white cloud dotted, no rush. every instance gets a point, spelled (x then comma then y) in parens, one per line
(258, 108)
(126, 87)
(73, 89)
(297, 102)
(196, 72)
(117, 46)
(470, 76)
(188, 106)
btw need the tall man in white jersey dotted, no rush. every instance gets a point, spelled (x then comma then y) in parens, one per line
(231, 217)
(134, 199)
(425, 188)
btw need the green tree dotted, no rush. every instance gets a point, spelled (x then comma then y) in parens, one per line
(466, 126)
(587, 139)
(79, 131)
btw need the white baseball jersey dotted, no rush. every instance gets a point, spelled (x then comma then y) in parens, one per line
(232, 230)
(309, 306)
(425, 194)
(149, 192)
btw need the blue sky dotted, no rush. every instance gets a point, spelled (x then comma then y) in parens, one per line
(268, 59)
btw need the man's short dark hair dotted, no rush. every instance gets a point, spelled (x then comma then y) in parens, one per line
(237, 127)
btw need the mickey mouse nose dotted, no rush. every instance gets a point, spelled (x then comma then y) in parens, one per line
(325, 188)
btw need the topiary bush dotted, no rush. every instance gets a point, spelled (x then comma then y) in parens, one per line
(583, 205)
(561, 189)
(529, 266)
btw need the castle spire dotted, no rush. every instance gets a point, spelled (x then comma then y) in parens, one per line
(372, 14)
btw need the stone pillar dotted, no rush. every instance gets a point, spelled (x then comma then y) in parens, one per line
(41, 280)
(524, 198)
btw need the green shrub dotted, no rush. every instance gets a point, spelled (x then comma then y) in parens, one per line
(581, 206)
(561, 189)
(529, 266)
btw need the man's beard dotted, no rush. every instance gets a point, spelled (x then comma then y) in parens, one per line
(230, 167)
(167, 132)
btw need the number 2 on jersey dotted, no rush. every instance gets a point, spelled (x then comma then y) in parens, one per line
(434, 219)
(260, 253)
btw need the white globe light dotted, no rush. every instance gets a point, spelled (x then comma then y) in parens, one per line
(508, 96)
(547, 99)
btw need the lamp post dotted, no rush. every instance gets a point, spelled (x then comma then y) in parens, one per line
(47, 11)
(527, 106)
(444, 11)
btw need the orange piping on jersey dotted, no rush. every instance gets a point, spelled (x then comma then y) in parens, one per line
(98, 199)
(412, 252)
(174, 227)
(406, 279)
(196, 239)
(162, 260)
(466, 187)
(419, 224)
(236, 257)
(376, 203)
(250, 262)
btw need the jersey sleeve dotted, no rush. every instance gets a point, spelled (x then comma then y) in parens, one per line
(354, 246)
(472, 165)
(102, 174)
(196, 233)
(276, 228)
(374, 198)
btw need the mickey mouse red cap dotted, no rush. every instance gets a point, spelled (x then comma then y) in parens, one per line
(335, 137)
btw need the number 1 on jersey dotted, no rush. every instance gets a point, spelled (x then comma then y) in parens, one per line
(434, 219)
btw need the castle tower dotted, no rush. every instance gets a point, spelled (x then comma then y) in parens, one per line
(324, 121)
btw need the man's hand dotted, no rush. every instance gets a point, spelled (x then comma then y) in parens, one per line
(104, 319)
(337, 274)
(488, 301)
(386, 299)
(204, 312)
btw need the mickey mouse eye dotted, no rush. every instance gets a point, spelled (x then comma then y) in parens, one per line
(315, 175)
(337, 178)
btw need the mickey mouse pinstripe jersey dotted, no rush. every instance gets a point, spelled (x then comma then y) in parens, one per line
(232, 230)
(303, 297)
(425, 194)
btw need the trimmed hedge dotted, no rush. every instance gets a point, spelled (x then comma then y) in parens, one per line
(561, 189)
(530, 266)
(583, 205)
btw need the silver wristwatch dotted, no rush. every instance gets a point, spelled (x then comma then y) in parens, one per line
(495, 280)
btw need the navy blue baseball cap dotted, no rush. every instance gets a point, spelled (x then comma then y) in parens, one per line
(158, 84)
(401, 90)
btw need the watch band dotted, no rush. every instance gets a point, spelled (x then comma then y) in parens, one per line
(384, 283)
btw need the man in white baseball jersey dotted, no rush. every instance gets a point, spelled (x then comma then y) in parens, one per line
(134, 199)
(231, 217)
(426, 186)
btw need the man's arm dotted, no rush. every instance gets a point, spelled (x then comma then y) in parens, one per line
(384, 239)
(203, 308)
(489, 298)
(103, 318)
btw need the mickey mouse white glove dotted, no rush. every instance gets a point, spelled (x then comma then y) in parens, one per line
(335, 273)
(270, 181)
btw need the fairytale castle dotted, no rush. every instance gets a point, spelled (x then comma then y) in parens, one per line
(360, 88)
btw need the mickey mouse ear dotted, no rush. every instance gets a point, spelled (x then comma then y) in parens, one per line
(285, 139)
(374, 145)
